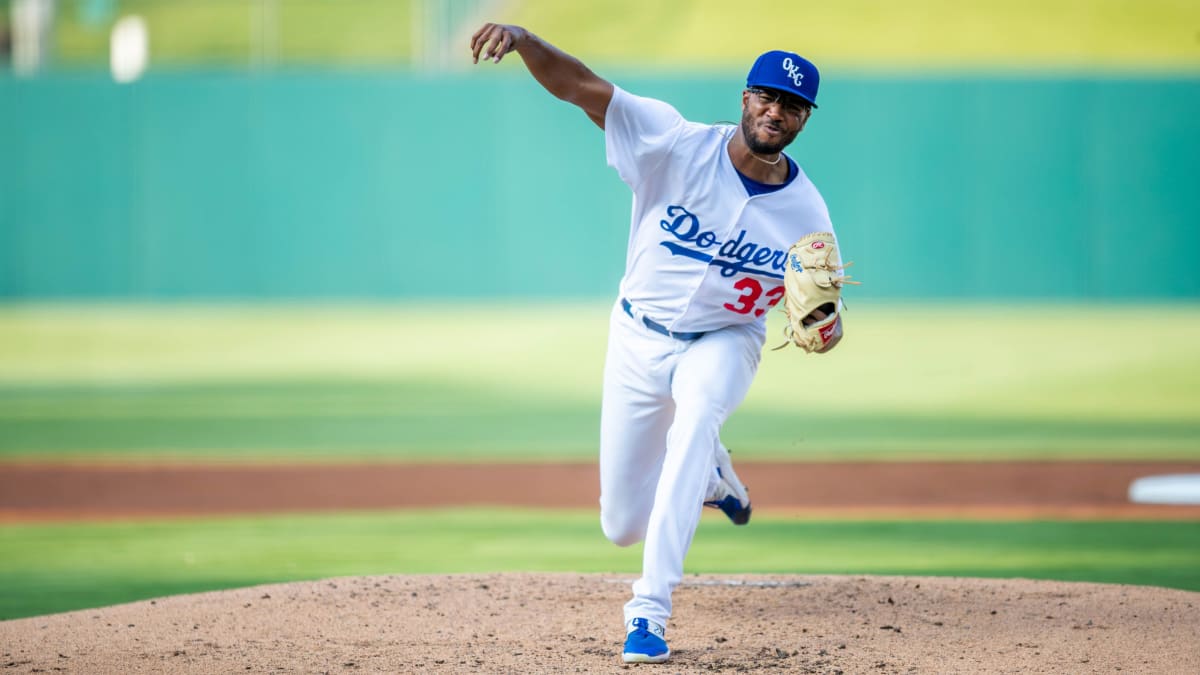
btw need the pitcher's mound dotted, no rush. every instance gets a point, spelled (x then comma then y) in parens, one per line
(561, 623)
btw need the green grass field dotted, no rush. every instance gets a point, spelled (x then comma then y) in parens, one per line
(413, 382)
(421, 382)
(686, 34)
(61, 567)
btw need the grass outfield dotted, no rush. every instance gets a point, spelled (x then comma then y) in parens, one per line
(422, 382)
(60, 567)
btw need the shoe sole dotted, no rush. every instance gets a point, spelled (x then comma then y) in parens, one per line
(645, 658)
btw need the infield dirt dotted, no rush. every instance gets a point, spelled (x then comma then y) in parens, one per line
(38, 491)
(564, 623)
(556, 623)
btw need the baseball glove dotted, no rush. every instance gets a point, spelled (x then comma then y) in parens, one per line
(813, 281)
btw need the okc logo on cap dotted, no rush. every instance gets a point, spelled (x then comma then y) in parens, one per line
(793, 71)
(786, 72)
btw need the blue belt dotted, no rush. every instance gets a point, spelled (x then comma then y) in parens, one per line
(658, 327)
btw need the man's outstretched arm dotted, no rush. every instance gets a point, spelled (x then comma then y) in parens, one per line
(561, 74)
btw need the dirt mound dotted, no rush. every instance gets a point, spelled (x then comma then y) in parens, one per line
(555, 623)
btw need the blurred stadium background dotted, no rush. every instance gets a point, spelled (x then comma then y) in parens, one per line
(282, 229)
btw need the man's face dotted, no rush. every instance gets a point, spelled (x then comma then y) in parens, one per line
(771, 119)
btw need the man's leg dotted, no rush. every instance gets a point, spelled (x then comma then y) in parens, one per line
(635, 414)
(710, 380)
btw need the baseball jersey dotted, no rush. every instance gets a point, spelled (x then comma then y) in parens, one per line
(703, 254)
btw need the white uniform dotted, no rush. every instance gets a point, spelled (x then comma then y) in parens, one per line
(703, 257)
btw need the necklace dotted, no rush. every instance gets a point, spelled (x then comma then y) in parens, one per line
(777, 159)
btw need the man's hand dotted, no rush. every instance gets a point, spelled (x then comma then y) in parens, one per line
(561, 74)
(495, 40)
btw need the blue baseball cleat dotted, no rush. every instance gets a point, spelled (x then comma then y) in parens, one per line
(729, 495)
(644, 643)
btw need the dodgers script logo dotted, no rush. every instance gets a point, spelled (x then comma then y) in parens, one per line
(733, 256)
(793, 71)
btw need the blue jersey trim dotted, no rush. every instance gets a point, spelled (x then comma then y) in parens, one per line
(754, 187)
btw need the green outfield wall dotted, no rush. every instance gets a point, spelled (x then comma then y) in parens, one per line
(392, 185)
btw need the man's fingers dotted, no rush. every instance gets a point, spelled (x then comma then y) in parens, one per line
(492, 41)
(505, 46)
(477, 41)
(813, 317)
(480, 40)
(475, 37)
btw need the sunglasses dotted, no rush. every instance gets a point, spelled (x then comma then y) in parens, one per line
(792, 104)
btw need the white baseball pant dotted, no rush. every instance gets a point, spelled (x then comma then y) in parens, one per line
(663, 406)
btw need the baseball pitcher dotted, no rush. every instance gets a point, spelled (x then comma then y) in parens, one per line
(725, 226)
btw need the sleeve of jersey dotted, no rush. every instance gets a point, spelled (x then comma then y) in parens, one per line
(638, 134)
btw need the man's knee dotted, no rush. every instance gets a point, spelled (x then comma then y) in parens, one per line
(622, 531)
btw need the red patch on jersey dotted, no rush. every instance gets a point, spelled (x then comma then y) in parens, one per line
(818, 244)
